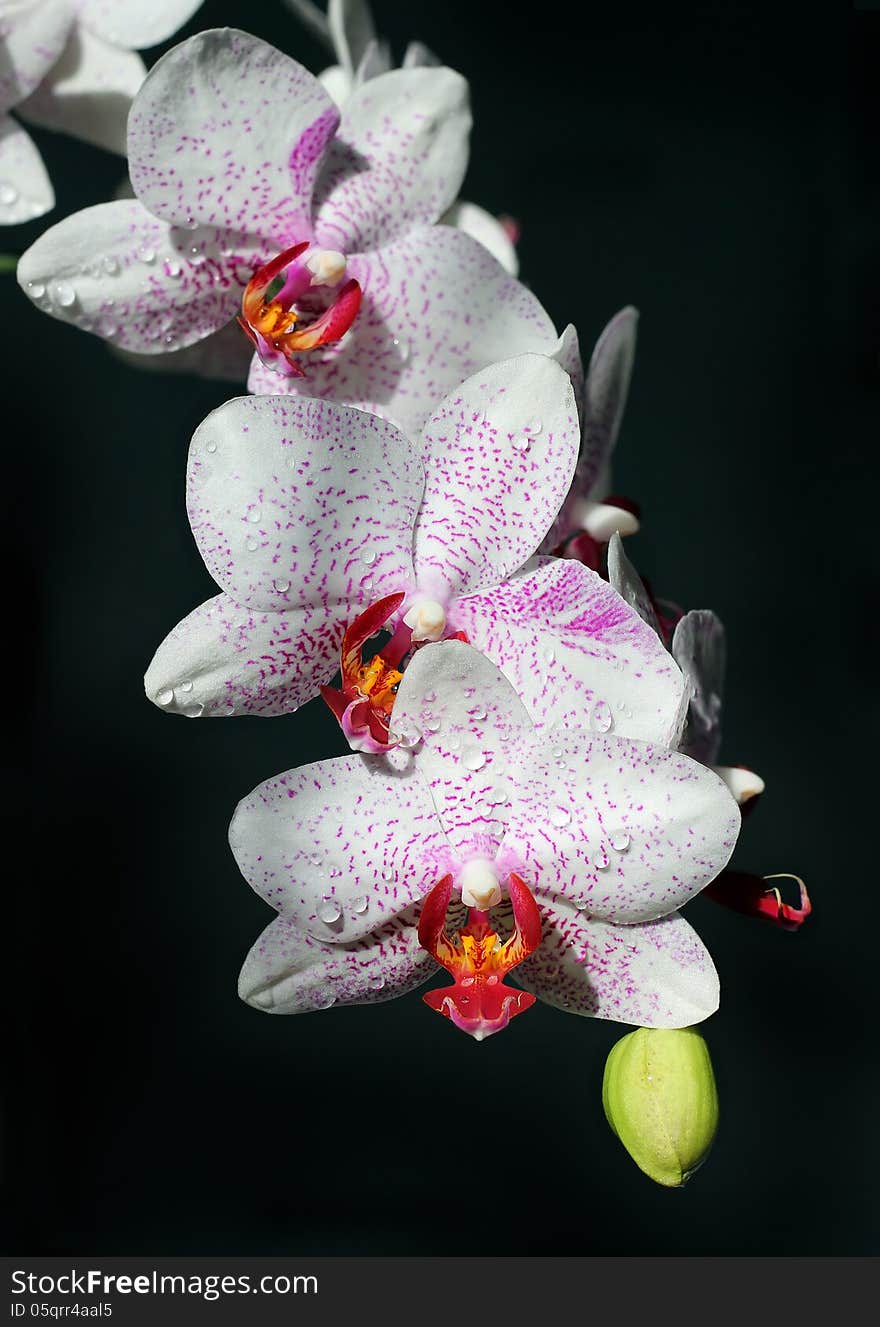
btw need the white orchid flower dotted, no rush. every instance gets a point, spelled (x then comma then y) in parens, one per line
(348, 31)
(314, 518)
(237, 165)
(594, 841)
(70, 65)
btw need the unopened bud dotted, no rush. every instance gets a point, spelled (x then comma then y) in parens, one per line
(660, 1099)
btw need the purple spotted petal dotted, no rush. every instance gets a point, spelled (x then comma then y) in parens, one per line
(224, 659)
(25, 188)
(298, 502)
(499, 453)
(32, 36)
(140, 284)
(136, 23)
(659, 974)
(229, 132)
(340, 847)
(464, 726)
(626, 830)
(699, 647)
(289, 971)
(575, 653)
(437, 307)
(629, 585)
(88, 91)
(398, 159)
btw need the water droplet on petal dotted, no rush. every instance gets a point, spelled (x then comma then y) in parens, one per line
(479, 714)
(37, 289)
(533, 427)
(407, 734)
(281, 586)
(251, 544)
(329, 911)
(254, 515)
(360, 904)
(211, 447)
(64, 294)
(324, 1000)
(111, 265)
(165, 697)
(388, 875)
(473, 758)
(430, 696)
(369, 557)
(377, 983)
(601, 718)
(601, 860)
(620, 841)
(401, 345)
(316, 859)
(560, 816)
(520, 442)
(550, 654)
(432, 725)
(498, 796)
(8, 193)
(146, 254)
(172, 267)
(186, 686)
(194, 711)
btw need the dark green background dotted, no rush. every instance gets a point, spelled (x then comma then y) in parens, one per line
(716, 166)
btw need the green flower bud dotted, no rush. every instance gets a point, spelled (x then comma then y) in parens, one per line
(660, 1099)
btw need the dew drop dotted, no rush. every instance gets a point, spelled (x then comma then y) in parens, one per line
(497, 796)
(520, 442)
(281, 586)
(8, 194)
(211, 447)
(473, 758)
(64, 294)
(533, 427)
(251, 544)
(601, 861)
(377, 983)
(408, 735)
(620, 841)
(367, 583)
(329, 911)
(186, 686)
(369, 557)
(479, 714)
(360, 904)
(550, 654)
(560, 816)
(388, 875)
(37, 289)
(194, 711)
(254, 515)
(401, 345)
(111, 265)
(324, 1000)
(146, 254)
(454, 743)
(172, 267)
(601, 719)
(432, 725)
(430, 696)
(165, 697)
(316, 859)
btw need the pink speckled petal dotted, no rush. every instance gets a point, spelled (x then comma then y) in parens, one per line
(700, 649)
(224, 356)
(572, 648)
(136, 23)
(228, 132)
(627, 830)
(289, 971)
(499, 454)
(629, 585)
(117, 271)
(398, 159)
(25, 188)
(468, 726)
(88, 92)
(659, 974)
(32, 36)
(341, 846)
(224, 659)
(297, 502)
(437, 307)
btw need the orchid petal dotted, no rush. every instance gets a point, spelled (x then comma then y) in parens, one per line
(659, 974)
(337, 83)
(32, 36)
(224, 659)
(117, 271)
(375, 60)
(288, 971)
(699, 649)
(467, 725)
(499, 453)
(486, 229)
(136, 23)
(626, 830)
(340, 846)
(302, 502)
(417, 56)
(629, 584)
(25, 188)
(398, 159)
(224, 355)
(88, 92)
(437, 307)
(572, 648)
(351, 30)
(228, 132)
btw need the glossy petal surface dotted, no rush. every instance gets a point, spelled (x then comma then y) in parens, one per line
(25, 189)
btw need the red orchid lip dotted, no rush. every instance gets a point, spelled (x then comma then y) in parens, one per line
(750, 894)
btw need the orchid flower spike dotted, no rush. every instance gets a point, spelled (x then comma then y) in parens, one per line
(570, 852)
(321, 524)
(376, 305)
(70, 65)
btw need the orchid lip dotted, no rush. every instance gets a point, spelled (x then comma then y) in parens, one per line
(285, 324)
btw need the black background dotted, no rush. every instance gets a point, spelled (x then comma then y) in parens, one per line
(716, 166)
